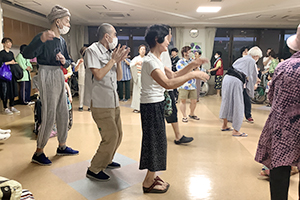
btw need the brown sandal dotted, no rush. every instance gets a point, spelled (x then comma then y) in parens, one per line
(151, 188)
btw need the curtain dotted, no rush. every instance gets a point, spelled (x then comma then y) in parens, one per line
(179, 38)
(209, 44)
(79, 40)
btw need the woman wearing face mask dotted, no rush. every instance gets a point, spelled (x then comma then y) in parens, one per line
(243, 74)
(51, 51)
(218, 67)
(136, 68)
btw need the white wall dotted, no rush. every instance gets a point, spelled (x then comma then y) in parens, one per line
(186, 40)
(201, 40)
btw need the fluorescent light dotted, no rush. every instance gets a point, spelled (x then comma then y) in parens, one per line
(208, 9)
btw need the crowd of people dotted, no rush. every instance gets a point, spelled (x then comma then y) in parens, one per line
(104, 68)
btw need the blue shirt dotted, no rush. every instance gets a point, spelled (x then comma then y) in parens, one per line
(191, 84)
(126, 71)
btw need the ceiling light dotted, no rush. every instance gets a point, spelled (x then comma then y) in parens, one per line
(208, 9)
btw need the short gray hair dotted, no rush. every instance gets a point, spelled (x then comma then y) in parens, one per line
(255, 51)
(102, 29)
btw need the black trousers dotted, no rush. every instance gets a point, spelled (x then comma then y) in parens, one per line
(127, 89)
(247, 104)
(11, 102)
(24, 93)
(279, 182)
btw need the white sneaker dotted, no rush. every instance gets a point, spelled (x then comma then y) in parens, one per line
(31, 103)
(13, 109)
(7, 111)
(4, 136)
(2, 131)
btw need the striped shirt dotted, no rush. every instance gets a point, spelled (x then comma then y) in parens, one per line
(126, 70)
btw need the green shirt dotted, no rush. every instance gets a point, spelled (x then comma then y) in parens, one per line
(24, 63)
(273, 65)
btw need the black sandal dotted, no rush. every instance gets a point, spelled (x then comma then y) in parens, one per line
(194, 117)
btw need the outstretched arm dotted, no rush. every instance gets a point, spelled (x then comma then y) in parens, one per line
(191, 66)
(175, 82)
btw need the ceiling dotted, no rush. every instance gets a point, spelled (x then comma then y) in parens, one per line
(177, 13)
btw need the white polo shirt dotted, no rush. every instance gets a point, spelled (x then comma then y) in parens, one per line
(103, 93)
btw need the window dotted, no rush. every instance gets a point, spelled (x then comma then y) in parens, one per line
(230, 41)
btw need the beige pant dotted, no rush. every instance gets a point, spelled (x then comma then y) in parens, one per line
(109, 123)
(187, 94)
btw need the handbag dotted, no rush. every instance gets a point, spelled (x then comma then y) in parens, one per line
(10, 189)
(5, 73)
(16, 71)
(213, 73)
(168, 110)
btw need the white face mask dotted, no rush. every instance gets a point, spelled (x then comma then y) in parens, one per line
(191, 55)
(64, 30)
(216, 56)
(113, 44)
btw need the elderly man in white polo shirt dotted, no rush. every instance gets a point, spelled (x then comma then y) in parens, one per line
(103, 62)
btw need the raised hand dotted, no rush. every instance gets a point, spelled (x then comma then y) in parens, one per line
(120, 53)
(80, 61)
(47, 35)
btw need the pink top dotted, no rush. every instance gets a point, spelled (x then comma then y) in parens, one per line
(279, 143)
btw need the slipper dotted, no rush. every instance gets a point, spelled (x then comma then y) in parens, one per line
(185, 119)
(194, 117)
(263, 176)
(241, 135)
(151, 188)
(226, 129)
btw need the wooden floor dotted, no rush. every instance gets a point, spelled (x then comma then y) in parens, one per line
(214, 166)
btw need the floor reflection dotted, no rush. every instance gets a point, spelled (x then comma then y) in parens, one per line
(200, 187)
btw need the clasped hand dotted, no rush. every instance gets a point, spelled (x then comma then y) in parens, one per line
(120, 53)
